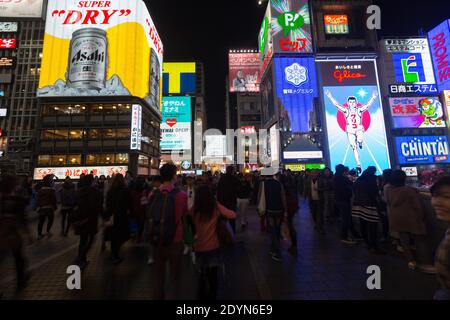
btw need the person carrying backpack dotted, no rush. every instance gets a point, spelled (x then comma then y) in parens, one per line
(166, 209)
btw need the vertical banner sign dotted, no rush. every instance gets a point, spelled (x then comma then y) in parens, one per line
(419, 112)
(176, 124)
(136, 128)
(296, 88)
(244, 72)
(440, 51)
(101, 48)
(354, 114)
(265, 41)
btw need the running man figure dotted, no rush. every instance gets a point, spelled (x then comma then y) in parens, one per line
(353, 112)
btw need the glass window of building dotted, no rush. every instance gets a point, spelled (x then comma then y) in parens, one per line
(47, 134)
(143, 161)
(122, 158)
(124, 108)
(109, 109)
(106, 158)
(92, 159)
(61, 134)
(95, 133)
(59, 160)
(76, 134)
(109, 133)
(74, 159)
(123, 133)
(97, 108)
(44, 160)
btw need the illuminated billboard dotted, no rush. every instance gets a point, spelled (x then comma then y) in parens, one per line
(136, 128)
(179, 78)
(354, 114)
(417, 112)
(7, 43)
(265, 41)
(336, 24)
(75, 172)
(244, 72)
(291, 26)
(440, 51)
(422, 150)
(408, 66)
(21, 8)
(296, 88)
(176, 124)
(112, 50)
(267, 95)
(8, 26)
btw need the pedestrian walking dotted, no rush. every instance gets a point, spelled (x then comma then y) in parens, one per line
(68, 203)
(243, 199)
(407, 217)
(441, 203)
(365, 208)
(227, 192)
(326, 189)
(167, 207)
(206, 214)
(314, 196)
(118, 208)
(13, 227)
(272, 203)
(46, 206)
(289, 185)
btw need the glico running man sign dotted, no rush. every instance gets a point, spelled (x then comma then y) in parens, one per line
(354, 114)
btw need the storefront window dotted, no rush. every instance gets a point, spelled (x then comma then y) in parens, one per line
(109, 133)
(76, 134)
(143, 161)
(54, 134)
(59, 160)
(92, 159)
(74, 159)
(95, 133)
(123, 133)
(106, 158)
(122, 158)
(44, 160)
(123, 108)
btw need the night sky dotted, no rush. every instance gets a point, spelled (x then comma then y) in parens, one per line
(205, 30)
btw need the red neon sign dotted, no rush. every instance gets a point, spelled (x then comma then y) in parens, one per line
(7, 43)
(347, 74)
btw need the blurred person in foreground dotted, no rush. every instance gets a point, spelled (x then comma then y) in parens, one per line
(227, 192)
(441, 203)
(13, 226)
(47, 205)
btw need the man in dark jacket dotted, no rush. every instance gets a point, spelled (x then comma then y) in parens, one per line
(343, 189)
(46, 204)
(227, 192)
(272, 194)
(86, 213)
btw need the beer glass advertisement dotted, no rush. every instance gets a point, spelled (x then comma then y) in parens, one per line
(244, 72)
(176, 124)
(440, 51)
(422, 150)
(354, 114)
(291, 26)
(419, 112)
(89, 47)
(21, 8)
(409, 68)
(296, 88)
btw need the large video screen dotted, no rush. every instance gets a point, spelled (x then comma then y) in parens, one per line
(354, 114)
(176, 133)
(244, 72)
(422, 149)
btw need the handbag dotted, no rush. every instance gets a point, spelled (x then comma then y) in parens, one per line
(224, 233)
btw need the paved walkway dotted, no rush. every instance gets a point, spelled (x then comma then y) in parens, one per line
(324, 269)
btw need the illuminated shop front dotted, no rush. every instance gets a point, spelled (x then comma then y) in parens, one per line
(97, 137)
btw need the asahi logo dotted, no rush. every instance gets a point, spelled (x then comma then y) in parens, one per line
(95, 56)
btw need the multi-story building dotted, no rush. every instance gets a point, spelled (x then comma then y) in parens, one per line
(18, 96)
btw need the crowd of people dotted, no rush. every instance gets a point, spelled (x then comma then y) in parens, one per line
(180, 215)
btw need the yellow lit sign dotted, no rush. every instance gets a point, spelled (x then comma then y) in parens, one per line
(179, 78)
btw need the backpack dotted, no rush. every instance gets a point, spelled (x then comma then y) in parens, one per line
(162, 217)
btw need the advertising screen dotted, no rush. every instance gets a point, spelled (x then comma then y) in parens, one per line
(440, 51)
(244, 72)
(265, 41)
(336, 24)
(100, 48)
(354, 114)
(417, 112)
(291, 26)
(176, 124)
(75, 172)
(179, 78)
(296, 88)
(422, 149)
(21, 8)
(409, 68)
(267, 94)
